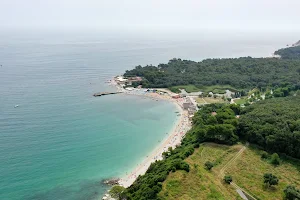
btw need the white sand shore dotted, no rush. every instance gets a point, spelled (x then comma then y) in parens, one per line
(174, 138)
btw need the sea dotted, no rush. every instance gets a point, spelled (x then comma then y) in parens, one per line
(57, 141)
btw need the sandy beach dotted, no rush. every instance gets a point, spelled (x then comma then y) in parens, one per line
(174, 136)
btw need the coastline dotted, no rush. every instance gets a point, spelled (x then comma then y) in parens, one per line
(175, 135)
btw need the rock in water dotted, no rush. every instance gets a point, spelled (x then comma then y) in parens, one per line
(112, 181)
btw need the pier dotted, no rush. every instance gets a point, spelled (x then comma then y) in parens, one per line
(99, 94)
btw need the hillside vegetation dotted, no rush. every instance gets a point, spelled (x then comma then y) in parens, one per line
(247, 171)
(273, 124)
(200, 183)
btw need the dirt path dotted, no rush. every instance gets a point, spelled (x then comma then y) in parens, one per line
(227, 165)
(221, 174)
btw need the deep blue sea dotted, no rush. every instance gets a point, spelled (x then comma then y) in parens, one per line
(61, 142)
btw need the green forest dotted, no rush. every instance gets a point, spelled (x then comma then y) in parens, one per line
(240, 73)
(289, 53)
(273, 124)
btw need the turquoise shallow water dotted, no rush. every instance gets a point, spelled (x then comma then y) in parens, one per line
(61, 142)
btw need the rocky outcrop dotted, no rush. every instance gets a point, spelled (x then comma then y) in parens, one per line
(112, 181)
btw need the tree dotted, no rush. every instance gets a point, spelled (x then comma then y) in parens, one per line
(291, 193)
(228, 179)
(209, 165)
(270, 179)
(275, 160)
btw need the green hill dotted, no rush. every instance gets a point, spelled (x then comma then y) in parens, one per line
(247, 172)
(289, 53)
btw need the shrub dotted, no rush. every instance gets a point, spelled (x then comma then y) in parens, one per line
(209, 165)
(275, 160)
(228, 179)
(264, 155)
(184, 166)
(196, 145)
(173, 169)
(291, 193)
(270, 179)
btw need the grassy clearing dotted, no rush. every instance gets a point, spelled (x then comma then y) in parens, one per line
(200, 183)
(187, 88)
(216, 89)
(213, 100)
(200, 100)
(219, 89)
(247, 171)
(240, 101)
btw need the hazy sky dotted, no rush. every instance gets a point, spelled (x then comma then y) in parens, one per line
(152, 14)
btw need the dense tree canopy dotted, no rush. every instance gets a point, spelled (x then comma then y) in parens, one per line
(240, 73)
(289, 53)
(273, 124)
(216, 123)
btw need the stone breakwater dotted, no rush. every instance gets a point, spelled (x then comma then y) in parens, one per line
(99, 94)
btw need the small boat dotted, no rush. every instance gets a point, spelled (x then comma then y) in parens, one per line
(16, 106)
